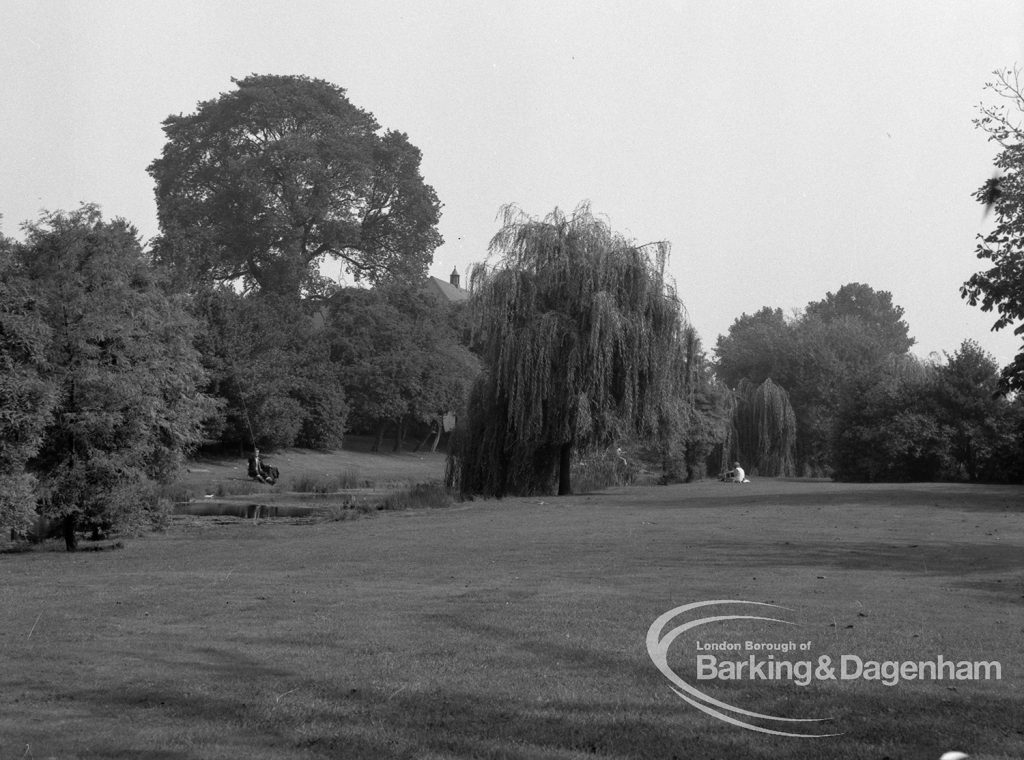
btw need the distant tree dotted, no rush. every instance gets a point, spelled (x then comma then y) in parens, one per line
(701, 416)
(886, 427)
(813, 356)
(369, 346)
(763, 432)
(269, 363)
(26, 395)
(830, 355)
(121, 357)
(1001, 286)
(847, 334)
(757, 346)
(911, 420)
(398, 357)
(580, 338)
(263, 183)
(985, 429)
(446, 371)
(881, 319)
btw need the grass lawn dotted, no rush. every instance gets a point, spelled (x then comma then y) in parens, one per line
(516, 629)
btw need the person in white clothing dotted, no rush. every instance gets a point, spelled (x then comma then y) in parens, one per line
(736, 474)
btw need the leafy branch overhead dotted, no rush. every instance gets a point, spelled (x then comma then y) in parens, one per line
(1000, 288)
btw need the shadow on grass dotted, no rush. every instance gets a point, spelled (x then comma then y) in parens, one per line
(330, 720)
(816, 493)
(221, 703)
(940, 558)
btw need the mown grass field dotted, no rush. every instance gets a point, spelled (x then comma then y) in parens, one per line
(516, 629)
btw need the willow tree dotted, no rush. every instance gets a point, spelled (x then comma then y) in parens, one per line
(580, 338)
(763, 432)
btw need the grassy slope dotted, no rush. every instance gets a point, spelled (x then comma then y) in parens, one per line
(516, 629)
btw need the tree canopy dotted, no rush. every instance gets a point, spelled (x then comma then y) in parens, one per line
(581, 342)
(27, 395)
(269, 363)
(398, 358)
(1000, 288)
(915, 420)
(762, 433)
(121, 359)
(813, 356)
(880, 318)
(263, 183)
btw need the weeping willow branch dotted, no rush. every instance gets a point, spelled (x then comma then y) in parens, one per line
(582, 339)
(762, 435)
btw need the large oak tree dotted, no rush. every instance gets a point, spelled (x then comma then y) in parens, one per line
(261, 184)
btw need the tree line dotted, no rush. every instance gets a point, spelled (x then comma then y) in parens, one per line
(867, 409)
(118, 359)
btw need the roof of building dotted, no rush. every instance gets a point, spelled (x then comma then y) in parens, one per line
(447, 290)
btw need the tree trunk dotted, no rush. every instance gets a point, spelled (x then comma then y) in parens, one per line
(70, 538)
(399, 435)
(380, 437)
(565, 470)
(437, 437)
(423, 443)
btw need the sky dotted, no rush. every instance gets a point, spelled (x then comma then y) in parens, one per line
(783, 148)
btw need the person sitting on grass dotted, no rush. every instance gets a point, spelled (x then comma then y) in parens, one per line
(264, 473)
(736, 474)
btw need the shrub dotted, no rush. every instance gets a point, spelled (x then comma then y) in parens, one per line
(603, 468)
(421, 495)
(310, 483)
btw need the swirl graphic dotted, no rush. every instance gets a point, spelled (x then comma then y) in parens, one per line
(657, 648)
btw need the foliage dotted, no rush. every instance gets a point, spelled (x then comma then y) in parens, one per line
(397, 356)
(601, 468)
(418, 496)
(328, 483)
(580, 338)
(985, 429)
(885, 429)
(26, 394)
(756, 347)
(814, 355)
(882, 320)
(917, 421)
(263, 183)
(762, 434)
(699, 418)
(269, 363)
(1001, 286)
(121, 357)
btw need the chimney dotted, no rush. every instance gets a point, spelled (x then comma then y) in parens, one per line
(453, 278)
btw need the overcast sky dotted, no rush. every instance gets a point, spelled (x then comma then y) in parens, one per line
(783, 148)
